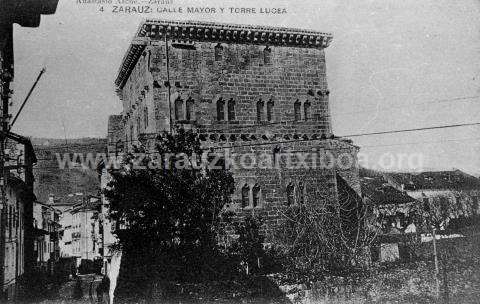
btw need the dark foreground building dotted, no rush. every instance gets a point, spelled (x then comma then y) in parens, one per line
(260, 92)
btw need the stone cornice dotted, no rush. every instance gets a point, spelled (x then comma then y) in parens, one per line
(219, 33)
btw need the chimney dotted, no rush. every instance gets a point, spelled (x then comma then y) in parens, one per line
(51, 199)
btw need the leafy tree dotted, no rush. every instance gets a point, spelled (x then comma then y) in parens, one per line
(441, 210)
(167, 217)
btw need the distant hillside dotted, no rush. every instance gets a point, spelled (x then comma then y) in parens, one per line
(51, 180)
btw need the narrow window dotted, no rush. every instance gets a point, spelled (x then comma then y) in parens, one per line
(296, 109)
(301, 193)
(189, 112)
(220, 110)
(149, 60)
(231, 110)
(218, 52)
(267, 55)
(290, 194)
(145, 116)
(245, 196)
(256, 195)
(178, 109)
(260, 105)
(138, 123)
(270, 110)
(426, 204)
(306, 110)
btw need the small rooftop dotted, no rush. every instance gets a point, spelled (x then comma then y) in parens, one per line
(380, 192)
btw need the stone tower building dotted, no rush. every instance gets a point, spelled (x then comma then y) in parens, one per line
(255, 90)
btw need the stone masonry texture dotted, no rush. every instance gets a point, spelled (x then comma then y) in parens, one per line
(249, 98)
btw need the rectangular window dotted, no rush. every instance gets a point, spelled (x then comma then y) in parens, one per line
(270, 110)
(296, 109)
(179, 109)
(218, 52)
(245, 196)
(256, 196)
(306, 107)
(260, 105)
(220, 110)
(189, 109)
(231, 110)
(145, 116)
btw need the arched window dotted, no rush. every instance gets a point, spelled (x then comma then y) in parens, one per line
(231, 110)
(179, 109)
(189, 111)
(296, 110)
(267, 55)
(138, 123)
(301, 193)
(256, 195)
(306, 110)
(260, 106)
(245, 196)
(270, 110)
(220, 110)
(290, 194)
(218, 52)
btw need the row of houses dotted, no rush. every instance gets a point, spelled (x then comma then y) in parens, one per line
(62, 232)
(408, 205)
(29, 243)
(17, 234)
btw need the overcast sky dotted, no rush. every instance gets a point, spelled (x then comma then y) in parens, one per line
(391, 65)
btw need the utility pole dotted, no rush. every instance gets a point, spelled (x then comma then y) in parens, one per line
(435, 256)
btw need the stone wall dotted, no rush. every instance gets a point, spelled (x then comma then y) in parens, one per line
(115, 134)
(310, 167)
(407, 283)
(253, 98)
(243, 75)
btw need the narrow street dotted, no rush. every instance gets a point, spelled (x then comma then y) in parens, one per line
(70, 292)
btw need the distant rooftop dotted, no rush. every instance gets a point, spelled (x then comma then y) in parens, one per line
(435, 180)
(216, 32)
(382, 193)
(88, 205)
